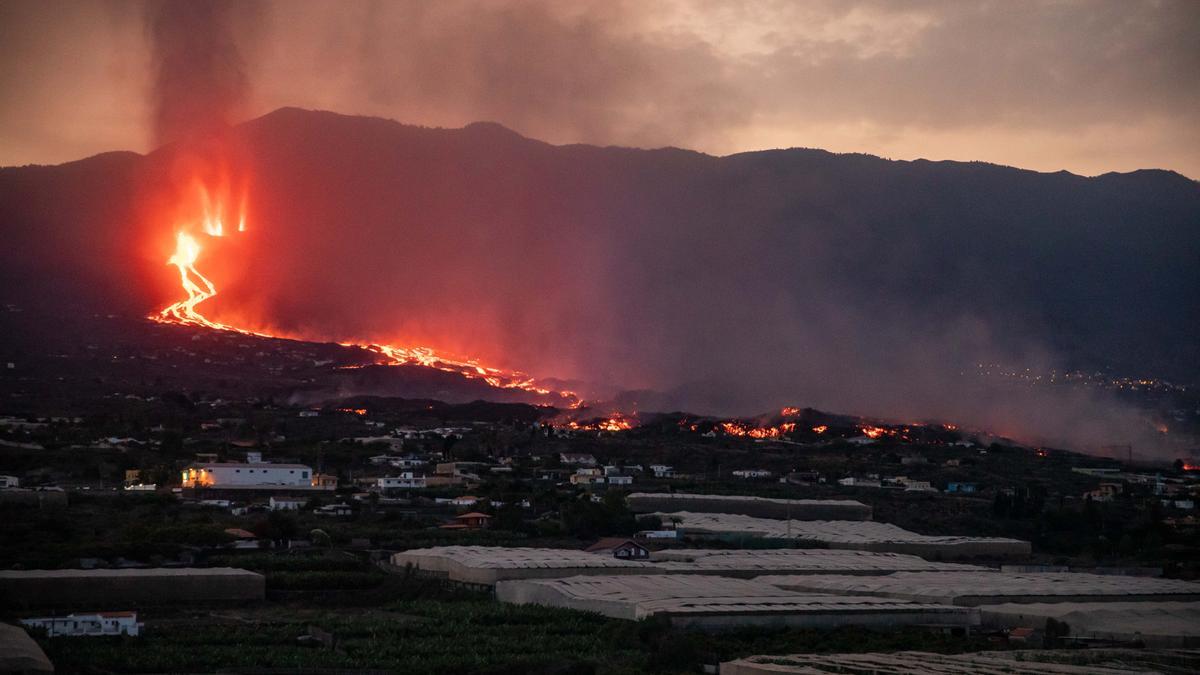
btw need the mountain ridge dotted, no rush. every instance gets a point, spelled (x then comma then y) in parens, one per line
(499, 129)
(771, 275)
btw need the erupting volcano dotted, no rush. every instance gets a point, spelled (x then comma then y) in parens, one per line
(214, 213)
(654, 281)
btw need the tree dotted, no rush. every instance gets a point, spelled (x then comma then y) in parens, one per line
(1054, 631)
(649, 522)
(278, 526)
(587, 519)
(1001, 505)
(320, 538)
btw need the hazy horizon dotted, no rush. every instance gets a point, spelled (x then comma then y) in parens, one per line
(156, 148)
(920, 80)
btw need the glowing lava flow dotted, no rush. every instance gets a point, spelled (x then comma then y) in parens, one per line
(195, 284)
(736, 428)
(199, 289)
(616, 422)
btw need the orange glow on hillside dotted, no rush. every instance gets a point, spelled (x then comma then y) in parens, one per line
(211, 214)
(616, 422)
(873, 432)
(751, 431)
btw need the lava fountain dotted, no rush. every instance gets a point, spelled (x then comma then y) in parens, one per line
(211, 223)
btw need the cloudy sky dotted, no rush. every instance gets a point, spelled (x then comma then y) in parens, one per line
(1084, 85)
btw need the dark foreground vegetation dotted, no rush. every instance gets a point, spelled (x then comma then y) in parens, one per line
(423, 626)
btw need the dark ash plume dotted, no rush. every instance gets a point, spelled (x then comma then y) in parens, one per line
(200, 80)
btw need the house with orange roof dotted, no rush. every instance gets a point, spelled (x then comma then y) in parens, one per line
(469, 521)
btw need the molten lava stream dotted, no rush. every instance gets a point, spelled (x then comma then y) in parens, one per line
(196, 285)
(199, 288)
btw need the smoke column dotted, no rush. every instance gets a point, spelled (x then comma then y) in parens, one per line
(200, 80)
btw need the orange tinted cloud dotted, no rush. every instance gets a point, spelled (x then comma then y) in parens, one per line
(1086, 86)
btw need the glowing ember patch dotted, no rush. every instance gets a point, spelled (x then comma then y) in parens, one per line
(614, 423)
(876, 432)
(820, 429)
(789, 412)
(751, 431)
(354, 411)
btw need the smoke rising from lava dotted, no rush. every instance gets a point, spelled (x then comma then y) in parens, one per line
(727, 286)
(200, 81)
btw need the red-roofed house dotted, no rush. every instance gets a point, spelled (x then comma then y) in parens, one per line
(618, 547)
(469, 521)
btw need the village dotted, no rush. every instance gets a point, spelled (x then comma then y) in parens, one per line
(161, 505)
(377, 501)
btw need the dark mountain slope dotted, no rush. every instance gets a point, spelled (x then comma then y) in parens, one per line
(843, 281)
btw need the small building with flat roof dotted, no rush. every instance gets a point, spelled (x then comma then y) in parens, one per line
(1156, 624)
(229, 474)
(1038, 662)
(87, 625)
(863, 535)
(485, 565)
(759, 507)
(717, 603)
(988, 588)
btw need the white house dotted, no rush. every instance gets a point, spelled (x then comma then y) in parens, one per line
(335, 510)
(752, 473)
(226, 474)
(9, 482)
(141, 487)
(100, 623)
(577, 459)
(285, 504)
(407, 462)
(859, 482)
(387, 443)
(918, 486)
(620, 480)
(662, 471)
(405, 481)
